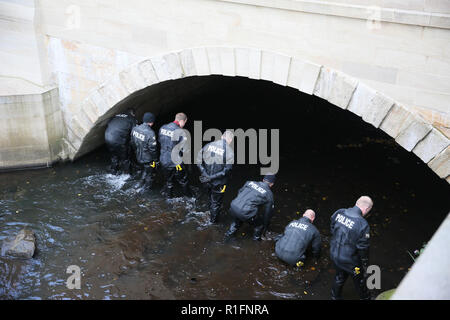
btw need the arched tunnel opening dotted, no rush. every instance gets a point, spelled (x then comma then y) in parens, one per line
(132, 245)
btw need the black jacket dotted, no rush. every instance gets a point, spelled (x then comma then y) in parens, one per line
(166, 132)
(350, 232)
(119, 129)
(252, 197)
(216, 161)
(298, 235)
(143, 140)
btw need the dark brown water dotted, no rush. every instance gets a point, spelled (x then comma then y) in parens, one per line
(131, 246)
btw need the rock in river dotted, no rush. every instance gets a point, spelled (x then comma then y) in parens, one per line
(22, 246)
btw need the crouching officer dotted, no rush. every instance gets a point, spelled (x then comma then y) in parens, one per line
(143, 140)
(253, 204)
(117, 138)
(215, 162)
(173, 172)
(297, 237)
(349, 247)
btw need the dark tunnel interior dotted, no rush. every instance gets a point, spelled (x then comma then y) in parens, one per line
(328, 158)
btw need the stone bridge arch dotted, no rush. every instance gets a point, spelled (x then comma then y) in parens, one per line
(410, 130)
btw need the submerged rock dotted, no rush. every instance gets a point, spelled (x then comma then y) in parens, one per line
(22, 246)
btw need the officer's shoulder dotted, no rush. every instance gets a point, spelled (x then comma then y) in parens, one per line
(364, 223)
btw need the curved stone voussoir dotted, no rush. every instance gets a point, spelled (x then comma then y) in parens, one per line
(431, 145)
(275, 67)
(303, 75)
(397, 119)
(90, 110)
(132, 79)
(167, 67)
(112, 92)
(201, 61)
(410, 136)
(369, 104)
(441, 164)
(335, 87)
(148, 72)
(248, 62)
(187, 63)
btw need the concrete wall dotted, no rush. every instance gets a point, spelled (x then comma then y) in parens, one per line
(429, 278)
(32, 129)
(22, 52)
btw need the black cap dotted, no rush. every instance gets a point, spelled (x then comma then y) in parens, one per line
(269, 178)
(148, 117)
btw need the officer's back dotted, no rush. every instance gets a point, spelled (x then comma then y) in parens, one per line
(119, 128)
(350, 238)
(250, 197)
(144, 143)
(216, 158)
(298, 236)
(166, 134)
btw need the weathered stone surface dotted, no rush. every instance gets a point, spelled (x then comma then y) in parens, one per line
(22, 246)
(215, 66)
(90, 110)
(148, 72)
(429, 147)
(335, 87)
(132, 79)
(254, 64)
(248, 62)
(227, 61)
(413, 133)
(371, 105)
(201, 61)
(173, 65)
(303, 75)
(396, 120)
(187, 63)
(441, 163)
(167, 67)
(112, 92)
(275, 67)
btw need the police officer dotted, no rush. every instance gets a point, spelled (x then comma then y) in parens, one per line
(253, 204)
(349, 247)
(171, 135)
(143, 140)
(297, 237)
(117, 138)
(215, 162)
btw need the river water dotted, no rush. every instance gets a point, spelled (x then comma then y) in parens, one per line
(141, 246)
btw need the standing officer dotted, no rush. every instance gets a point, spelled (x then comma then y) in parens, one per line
(253, 204)
(143, 140)
(173, 171)
(298, 236)
(349, 247)
(215, 162)
(117, 138)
